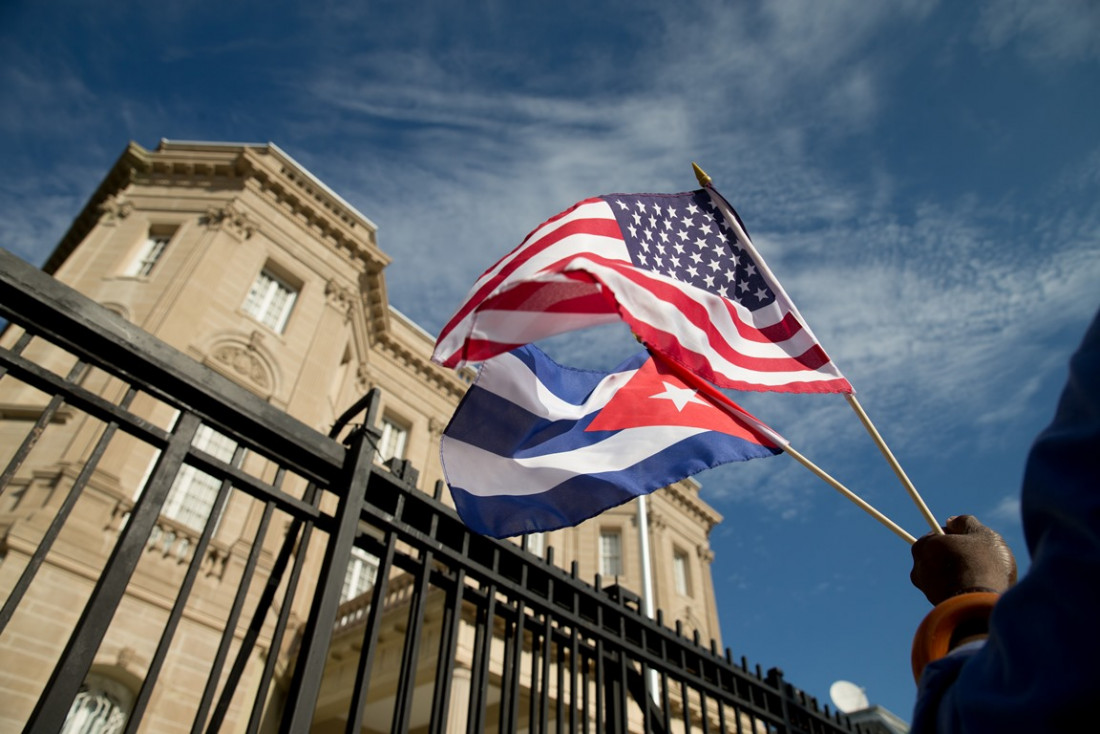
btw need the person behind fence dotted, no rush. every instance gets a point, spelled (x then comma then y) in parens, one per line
(994, 656)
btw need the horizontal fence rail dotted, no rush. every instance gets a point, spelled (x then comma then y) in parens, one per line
(117, 603)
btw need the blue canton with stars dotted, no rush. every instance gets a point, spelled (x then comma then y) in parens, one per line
(685, 236)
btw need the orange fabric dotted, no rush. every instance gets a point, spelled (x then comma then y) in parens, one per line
(933, 638)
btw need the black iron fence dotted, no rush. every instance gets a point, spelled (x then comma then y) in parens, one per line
(116, 613)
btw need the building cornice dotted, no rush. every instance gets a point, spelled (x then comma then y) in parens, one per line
(297, 192)
(688, 499)
(274, 176)
(118, 178)
(262, 168)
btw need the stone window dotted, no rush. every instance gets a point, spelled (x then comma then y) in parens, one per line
(149, 254)
(681, 571)
(361, 574)
(392, 443)
(192, 496)
(536, 543)
(611, 553)
(270, 300)
(101, 707)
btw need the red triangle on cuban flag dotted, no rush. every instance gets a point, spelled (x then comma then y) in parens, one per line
(657, 396)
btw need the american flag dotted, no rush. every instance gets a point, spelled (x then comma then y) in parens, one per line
(679, 269)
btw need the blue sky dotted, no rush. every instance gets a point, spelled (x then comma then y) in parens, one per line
(923, 178)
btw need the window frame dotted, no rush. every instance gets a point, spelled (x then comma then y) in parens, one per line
(681, 572)
(261, 304)
(393, 429)
(611, 563)
(144, 260)
(535, 543)
(361, 565)
(97, 692)
(193, 487)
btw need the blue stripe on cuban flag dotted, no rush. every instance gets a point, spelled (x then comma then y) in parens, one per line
(520, 456)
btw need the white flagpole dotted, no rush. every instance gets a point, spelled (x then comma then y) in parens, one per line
(647, 585)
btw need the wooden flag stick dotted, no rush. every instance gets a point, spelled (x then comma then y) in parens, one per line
(717, 396)
(893, 462)
(821, 474)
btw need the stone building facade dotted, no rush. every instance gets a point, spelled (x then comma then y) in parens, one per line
(240, 258)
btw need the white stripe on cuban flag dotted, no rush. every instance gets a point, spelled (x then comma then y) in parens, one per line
(518, 457)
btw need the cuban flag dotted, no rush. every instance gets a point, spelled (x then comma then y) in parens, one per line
(535, 446)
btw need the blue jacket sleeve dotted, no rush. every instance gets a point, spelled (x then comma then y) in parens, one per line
(1040, 667)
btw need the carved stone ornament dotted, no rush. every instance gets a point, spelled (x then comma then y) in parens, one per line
(232, 219)
(245, 362)
(338, 296)
(115, 207)
(435, 427)
(362, 377)
(706, 555)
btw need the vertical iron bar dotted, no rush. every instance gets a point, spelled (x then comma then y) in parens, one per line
(574, 655)
(775, 680)
(370, 635)
(142, 700)
(309, 496)
(532, 699)
(574, 664)
(547, 634)
(600, 682)
(520, 643)
(62, 514)
(305, 685)
(586, 699)
(666, 719)
(452, 620)
(76, 659)
(483, 637)
(559, 704)
(246, 647)
(37, 429)
(406, 681)
(361, 687)
(506, 673)
(686, 703)
(513, 661)
(259, 614)
(619, 684)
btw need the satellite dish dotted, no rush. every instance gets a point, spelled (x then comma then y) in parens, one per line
(848, 697)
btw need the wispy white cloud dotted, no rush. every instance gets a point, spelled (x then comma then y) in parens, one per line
(1046, 33)
(1005, 511)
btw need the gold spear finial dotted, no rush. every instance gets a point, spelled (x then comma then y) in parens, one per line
(701, 175)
